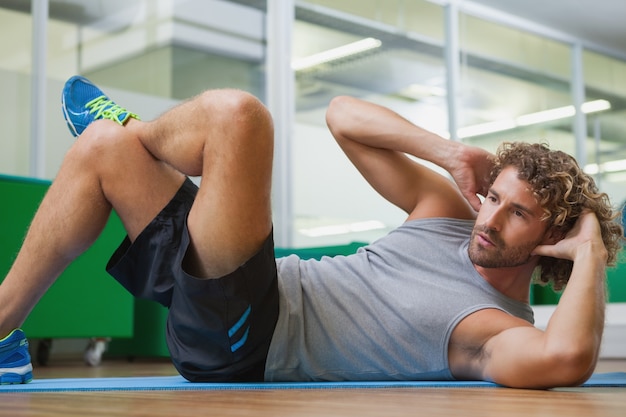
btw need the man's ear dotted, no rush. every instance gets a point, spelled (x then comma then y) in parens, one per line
(553, 235)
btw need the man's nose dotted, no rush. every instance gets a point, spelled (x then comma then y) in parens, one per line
(494, 220)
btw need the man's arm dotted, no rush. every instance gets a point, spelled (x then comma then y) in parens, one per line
(566, 352)
(376, 140)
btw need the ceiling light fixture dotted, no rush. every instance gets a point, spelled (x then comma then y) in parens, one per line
(340, 229)
(532, 118)
(610, 166)
(486, 128)
(545, 116)
(334, 54)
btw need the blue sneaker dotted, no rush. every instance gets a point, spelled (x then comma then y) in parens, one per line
(82, 103)
(15, 366)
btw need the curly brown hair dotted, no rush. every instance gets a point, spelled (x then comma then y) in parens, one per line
(564, 191)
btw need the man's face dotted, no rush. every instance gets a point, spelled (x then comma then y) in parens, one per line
(508, 226)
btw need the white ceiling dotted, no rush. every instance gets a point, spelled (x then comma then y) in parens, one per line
(597, 22)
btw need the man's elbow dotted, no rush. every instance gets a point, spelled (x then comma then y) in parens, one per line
(338, 112)
(574, 366)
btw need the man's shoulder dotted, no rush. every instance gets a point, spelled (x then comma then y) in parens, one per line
(449, 223)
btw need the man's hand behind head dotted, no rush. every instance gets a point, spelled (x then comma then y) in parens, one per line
(471, 170)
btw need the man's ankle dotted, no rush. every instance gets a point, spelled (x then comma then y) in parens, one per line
(4, 332)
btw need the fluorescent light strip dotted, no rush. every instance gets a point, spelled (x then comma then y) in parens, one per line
(595, 106)
(610, 166)
(336, 53)
(485, 128)
(532, 118)
(419, 90)
(341, 229)
(545, 116)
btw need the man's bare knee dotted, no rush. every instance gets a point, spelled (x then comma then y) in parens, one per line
(239, 138)
(101, 146)
(100, 135)
(236, 110)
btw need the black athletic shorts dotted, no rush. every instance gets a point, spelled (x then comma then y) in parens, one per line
(217, 329)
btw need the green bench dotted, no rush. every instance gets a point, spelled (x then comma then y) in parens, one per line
(84, 301)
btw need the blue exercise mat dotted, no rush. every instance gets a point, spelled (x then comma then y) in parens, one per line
(174, 383)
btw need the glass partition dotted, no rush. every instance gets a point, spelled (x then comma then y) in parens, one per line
(515, 86)
(15, 80)
(605, 80)
(385, 52)
(150, 55)
(147, 55)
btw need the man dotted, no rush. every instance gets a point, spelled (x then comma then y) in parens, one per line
(444, 296)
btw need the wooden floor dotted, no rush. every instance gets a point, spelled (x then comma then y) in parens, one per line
(484, 402)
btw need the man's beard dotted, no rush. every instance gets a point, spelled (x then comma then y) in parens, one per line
(500, 255)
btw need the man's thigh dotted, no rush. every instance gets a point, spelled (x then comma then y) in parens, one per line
(231, 216)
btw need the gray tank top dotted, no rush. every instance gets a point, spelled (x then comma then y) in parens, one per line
(384, 313)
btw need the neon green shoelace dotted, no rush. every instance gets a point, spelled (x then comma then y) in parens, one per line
(105, 108)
